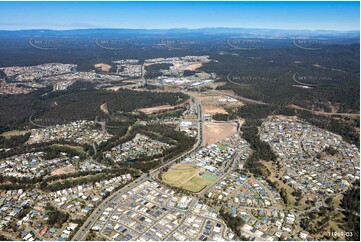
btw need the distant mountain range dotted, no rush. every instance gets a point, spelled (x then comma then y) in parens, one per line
(239, 32)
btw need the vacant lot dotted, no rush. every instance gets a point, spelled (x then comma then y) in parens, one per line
(213, 109)
(179, 173)
(215, 131)
(63, 170)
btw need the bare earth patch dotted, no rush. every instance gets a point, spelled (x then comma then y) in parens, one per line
(193, 67)
(104, 108)
(156, 109)
(103, 67)
(217, 131)
(215, 101)
(11, 133)
(161, 108)
(63, 170)
(114, 88)
(212, 109)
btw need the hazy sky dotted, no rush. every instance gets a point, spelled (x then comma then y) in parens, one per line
(160, 15)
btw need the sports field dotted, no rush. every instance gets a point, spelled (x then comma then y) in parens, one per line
(196, 184)
(179, 173)
(209, 177)
(186, 176)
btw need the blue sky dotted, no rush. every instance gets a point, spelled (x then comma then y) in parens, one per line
(163, 15)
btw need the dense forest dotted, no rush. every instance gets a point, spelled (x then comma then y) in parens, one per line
(15, 110)
(75, 104)
(267, 75)
(81, 49)
(153, 71)
(261, 151)
(13, 141)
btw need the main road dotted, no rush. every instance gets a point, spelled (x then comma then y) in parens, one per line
(97, 212)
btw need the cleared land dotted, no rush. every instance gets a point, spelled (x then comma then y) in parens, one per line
(216, 131)
(114, 88)
(161, 108)
(216, 101)
(63, 170)
(156, 109)
(213, 109)
(193, 67)
(103, 67)
(11, 133)
(104, 108)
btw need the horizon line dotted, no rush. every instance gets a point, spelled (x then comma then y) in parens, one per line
(178, 28)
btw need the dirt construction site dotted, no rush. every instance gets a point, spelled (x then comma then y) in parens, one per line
(217, 101)
(217, 131)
